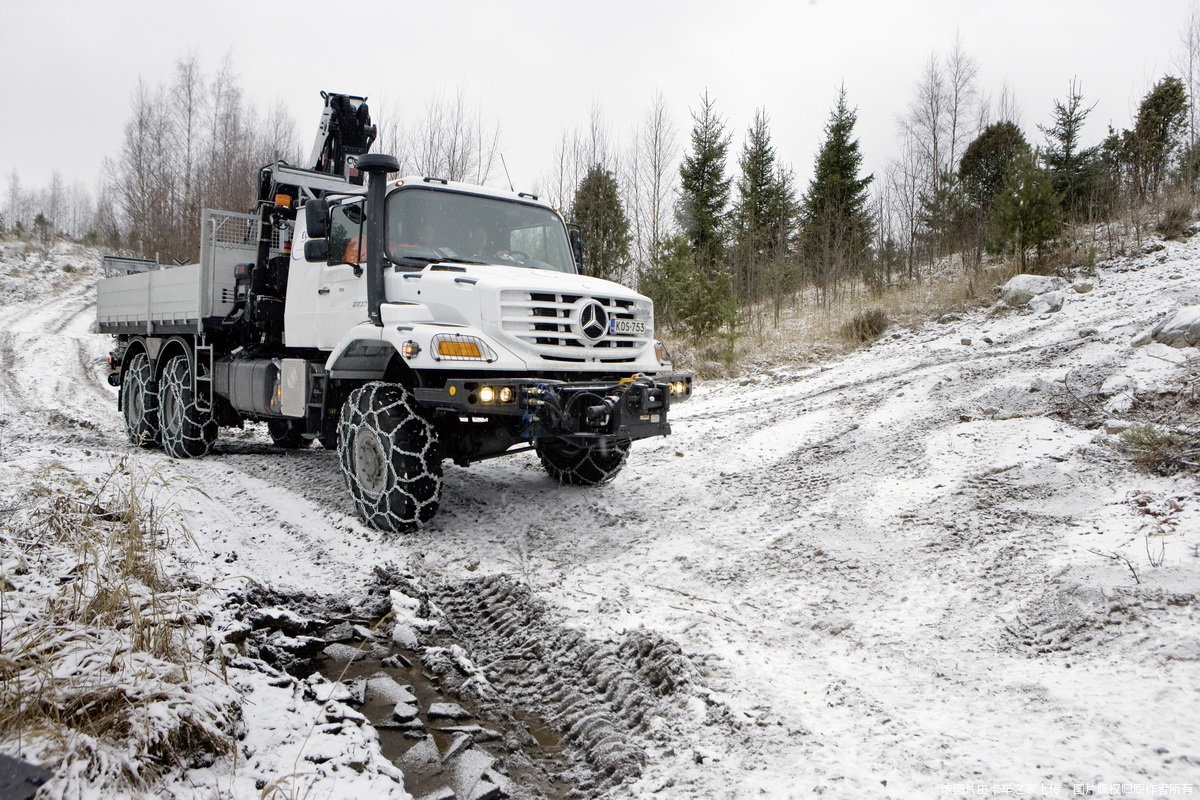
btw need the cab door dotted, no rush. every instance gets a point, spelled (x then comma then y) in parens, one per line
(327, 299)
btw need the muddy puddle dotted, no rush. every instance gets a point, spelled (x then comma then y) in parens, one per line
(449, 742)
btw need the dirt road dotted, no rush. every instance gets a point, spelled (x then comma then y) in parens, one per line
(891, 575)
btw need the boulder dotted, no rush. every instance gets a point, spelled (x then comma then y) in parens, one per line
(1181, 329)
(1020, 289)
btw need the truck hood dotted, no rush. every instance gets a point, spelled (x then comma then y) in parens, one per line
(500, 276)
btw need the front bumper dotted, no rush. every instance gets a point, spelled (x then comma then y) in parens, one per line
(631, 408)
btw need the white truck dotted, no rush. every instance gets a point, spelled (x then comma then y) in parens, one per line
(405, 322)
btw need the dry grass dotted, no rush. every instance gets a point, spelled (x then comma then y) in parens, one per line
(100, 682)
(807, 330)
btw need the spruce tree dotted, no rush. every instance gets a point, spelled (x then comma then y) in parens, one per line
(835, 224)
(597, 210)
(764, 211)
(1069, 163)
(704, 187)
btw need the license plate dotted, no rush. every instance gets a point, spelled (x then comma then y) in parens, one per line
(626, 326)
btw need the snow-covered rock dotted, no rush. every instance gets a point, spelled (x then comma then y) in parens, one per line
(1020, 289)
(1048, 302)
(1181, 329)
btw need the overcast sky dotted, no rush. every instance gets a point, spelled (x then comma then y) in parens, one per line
(537, 68)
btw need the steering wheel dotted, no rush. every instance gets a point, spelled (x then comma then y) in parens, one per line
(519, 256)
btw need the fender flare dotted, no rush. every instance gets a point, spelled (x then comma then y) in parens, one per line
(175, 345)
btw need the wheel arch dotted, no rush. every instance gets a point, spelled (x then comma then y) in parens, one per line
(365, 360)
(133, 348)
(175, 346)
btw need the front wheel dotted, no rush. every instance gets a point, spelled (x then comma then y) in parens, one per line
(390, 457)
(139, 402)
(582, 465)
(187, 431)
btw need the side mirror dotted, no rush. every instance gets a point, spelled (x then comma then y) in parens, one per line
(316, 250)
(576, 237)
(316, 218)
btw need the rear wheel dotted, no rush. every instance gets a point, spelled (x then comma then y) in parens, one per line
(139, 402)
(287, 434)
(390, 457)
(187, 431)
(582, 465)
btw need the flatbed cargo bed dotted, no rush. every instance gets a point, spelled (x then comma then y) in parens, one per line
(179, 299)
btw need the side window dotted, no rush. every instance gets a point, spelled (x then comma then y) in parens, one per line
(531, 241)
(346, 242)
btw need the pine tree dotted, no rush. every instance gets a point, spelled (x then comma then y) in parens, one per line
(988, 160)
(684, 295)
(597, 210)
(1027, 210)
(945, 215)
(704, 187)
(835, 224)
(764, 211)
(982, 174)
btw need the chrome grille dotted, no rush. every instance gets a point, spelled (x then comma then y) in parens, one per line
(546, 322)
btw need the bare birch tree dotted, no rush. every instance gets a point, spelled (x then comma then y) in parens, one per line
(650, 172)
(450, 141)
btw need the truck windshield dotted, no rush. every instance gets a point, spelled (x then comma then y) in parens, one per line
(426, 225)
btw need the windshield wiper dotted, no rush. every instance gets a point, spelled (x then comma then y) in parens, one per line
(456, 260)
(437, 259)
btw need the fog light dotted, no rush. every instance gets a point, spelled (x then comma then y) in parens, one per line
(487, 394)
(506, 394)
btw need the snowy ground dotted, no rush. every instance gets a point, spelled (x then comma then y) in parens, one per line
(891, 575)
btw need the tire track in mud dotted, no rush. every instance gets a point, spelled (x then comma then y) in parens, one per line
(600, 696)
(62, 324)
(875, 380)
(75, 415)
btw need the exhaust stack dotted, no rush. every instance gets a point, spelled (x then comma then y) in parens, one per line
(377, 166)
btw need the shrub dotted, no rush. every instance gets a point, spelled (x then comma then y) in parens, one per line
(1176, 218)
(865, 326)
(1160, 451)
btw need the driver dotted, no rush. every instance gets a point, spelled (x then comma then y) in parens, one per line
(416, 235)
(479, 244)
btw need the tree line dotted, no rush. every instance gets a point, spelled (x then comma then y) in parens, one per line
(706, 232)
(968, 181)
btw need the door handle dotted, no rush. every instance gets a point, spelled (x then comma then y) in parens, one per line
(323, 290)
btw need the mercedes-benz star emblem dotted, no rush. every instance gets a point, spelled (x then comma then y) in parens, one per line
(593, 321)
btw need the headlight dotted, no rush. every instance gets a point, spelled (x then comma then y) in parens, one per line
(456, 347)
